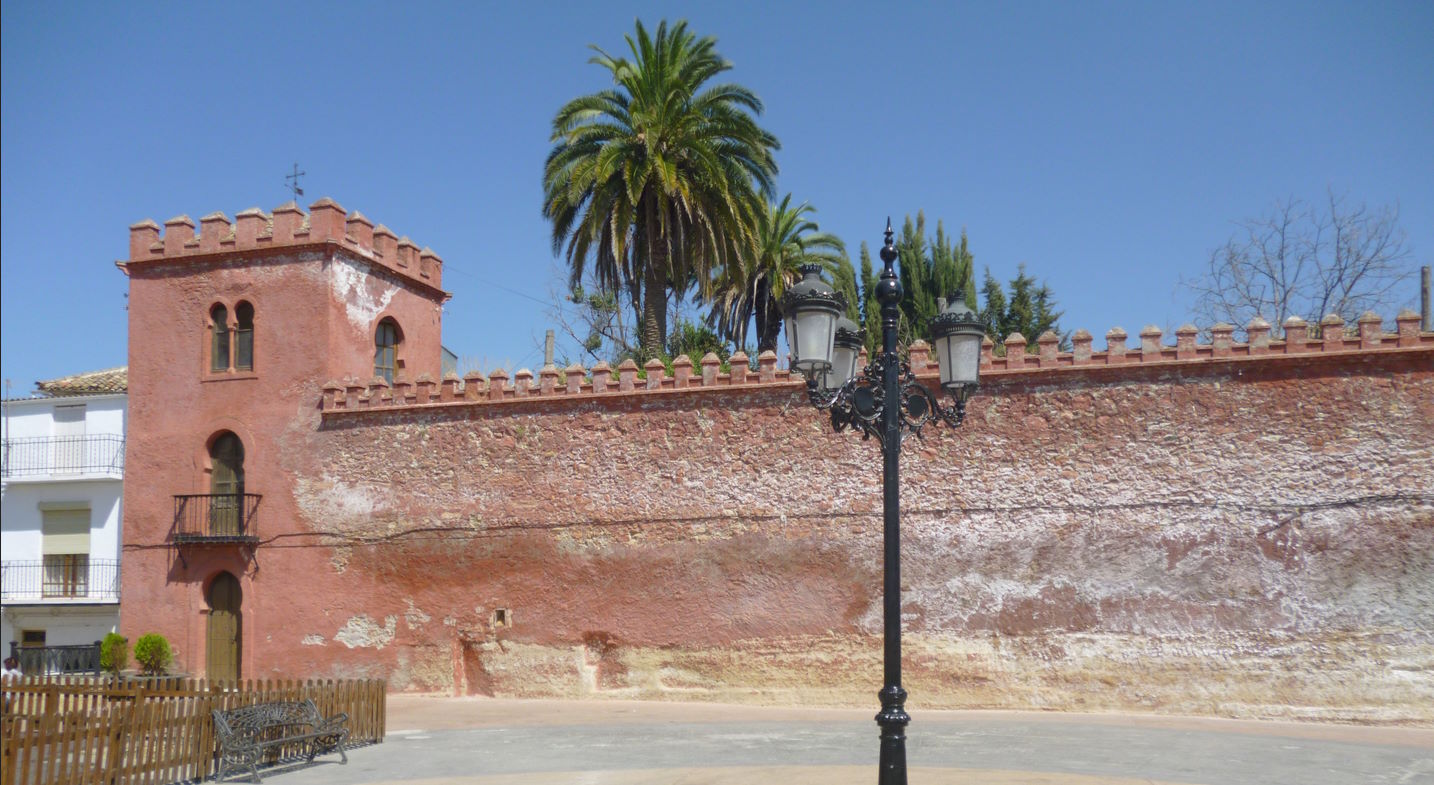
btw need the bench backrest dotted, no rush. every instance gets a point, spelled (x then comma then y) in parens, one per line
(255, 720)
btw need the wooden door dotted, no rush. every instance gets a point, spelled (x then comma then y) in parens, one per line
(224, 639)
(226, 486)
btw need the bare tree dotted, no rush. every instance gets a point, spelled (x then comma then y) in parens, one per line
(591, 323)
(1308, 261)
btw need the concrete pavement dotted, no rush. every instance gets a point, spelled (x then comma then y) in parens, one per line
(475, 741)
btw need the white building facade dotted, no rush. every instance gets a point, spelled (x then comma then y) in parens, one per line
(61, 487)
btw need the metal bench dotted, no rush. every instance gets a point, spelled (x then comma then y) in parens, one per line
(246, 734)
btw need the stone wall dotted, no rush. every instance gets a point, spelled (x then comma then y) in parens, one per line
(1248, 533)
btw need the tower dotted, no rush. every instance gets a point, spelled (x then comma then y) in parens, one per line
(232, 333)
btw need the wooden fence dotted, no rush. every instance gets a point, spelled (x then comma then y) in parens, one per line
(82, 730)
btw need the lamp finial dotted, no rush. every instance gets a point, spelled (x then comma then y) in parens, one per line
(888, 251)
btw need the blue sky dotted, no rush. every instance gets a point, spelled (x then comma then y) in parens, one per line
(1108, 146)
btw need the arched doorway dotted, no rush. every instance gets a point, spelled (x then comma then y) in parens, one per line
(226, 486)
(224, 639)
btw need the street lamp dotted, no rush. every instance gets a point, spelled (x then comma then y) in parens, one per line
(884, 401)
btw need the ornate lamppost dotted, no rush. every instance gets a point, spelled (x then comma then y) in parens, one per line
(887, 402)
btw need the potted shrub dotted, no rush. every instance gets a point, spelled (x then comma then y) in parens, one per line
(114, 653)
(153, 654)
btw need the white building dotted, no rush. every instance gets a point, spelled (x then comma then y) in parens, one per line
(60, 487)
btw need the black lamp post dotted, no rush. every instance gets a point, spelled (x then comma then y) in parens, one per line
(885, 401)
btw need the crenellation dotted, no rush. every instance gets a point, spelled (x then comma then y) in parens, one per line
(1331, 331)
(1257, 335)
(656, 373)
(213, 230)
(448, 388)
(1296, 335)
(424, 388)
(178, 232)
(917, 355)
(681, 371)
(474, 384)
(711, 364)
(1080, 347)
(353, 392)
(403, 391)
(1371, 330)
(738, 363)
(1115, 346)
(288, 221)
(1187, 349)
(430, 265)
(548, 379)
(143, 236)
(359, 229)
(626, 375)
(1150, 346)
(1049, 347)
(1408, 324)
(407, 256)
(497, 384)
(767, 366)
(326, 222)
(248, 225)
(1185, 337)
(1015, 344)
(385, 244)
(1222, 339)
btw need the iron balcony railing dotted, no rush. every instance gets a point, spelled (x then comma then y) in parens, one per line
(42, 660)
(60, 578)
(38, 456)
(216, 517)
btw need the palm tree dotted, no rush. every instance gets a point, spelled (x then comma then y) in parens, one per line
(751, 285)
(659, 178)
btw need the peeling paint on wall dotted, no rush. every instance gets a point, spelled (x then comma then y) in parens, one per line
(363, 632)
(354, 286)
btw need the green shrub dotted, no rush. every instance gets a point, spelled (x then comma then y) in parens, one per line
(152, 653)
(114, 653)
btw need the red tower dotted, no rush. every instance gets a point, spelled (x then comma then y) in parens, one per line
(233, 333)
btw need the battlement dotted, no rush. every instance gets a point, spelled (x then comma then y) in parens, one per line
(286, 226)
(576, 382)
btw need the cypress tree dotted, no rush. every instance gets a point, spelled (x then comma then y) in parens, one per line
(870, 320)
(844, 281)
(1029, 309)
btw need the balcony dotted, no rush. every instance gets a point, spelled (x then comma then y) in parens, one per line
(59, 457)
(60, 579)
(215, 518)
(57, 660)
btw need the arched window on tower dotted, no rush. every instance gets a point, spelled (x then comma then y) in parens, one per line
(244, 337)
(386, 342)
(219, 338)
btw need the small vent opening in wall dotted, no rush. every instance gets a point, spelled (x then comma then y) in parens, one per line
(502, 618)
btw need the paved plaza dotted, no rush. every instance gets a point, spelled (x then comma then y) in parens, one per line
(475, 741)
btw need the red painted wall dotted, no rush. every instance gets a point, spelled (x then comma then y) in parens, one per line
(1233, 528)
(318, 291)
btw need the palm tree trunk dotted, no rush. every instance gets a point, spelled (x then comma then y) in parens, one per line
(769, 320)
(654, 288)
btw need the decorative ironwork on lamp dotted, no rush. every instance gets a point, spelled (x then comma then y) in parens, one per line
(884, 400)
